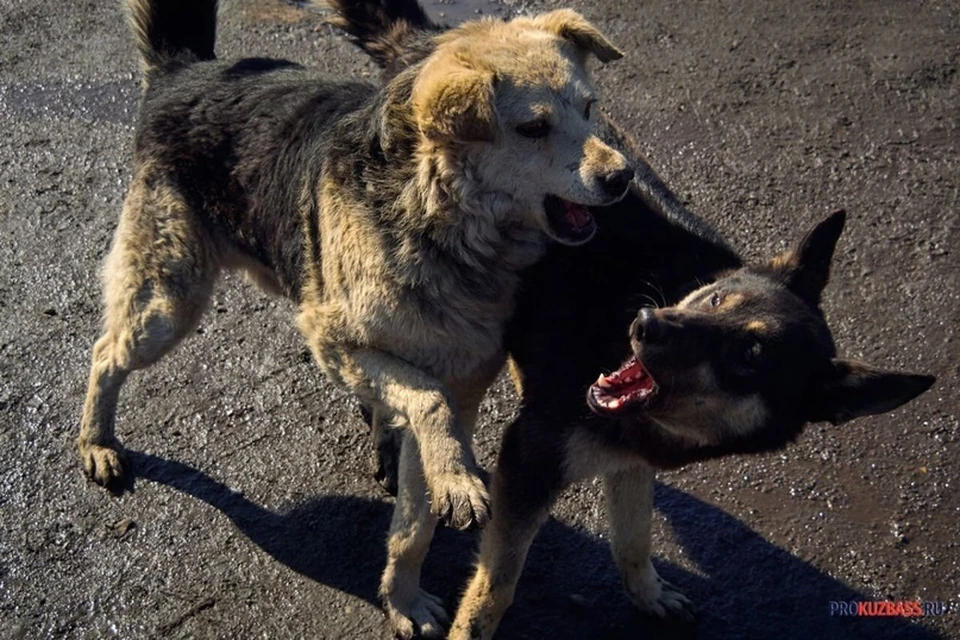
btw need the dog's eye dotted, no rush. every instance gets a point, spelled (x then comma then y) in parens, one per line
(716, 299)
(588, 109)
(534, 129)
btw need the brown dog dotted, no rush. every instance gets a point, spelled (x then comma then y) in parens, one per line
(398, 218)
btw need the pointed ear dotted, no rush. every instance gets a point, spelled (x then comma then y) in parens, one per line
(853, 389)
(454, 104)
(570, 25)
(805, 269)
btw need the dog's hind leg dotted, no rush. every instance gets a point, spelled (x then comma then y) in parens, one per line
(411, 610)
(629, 498)
(386, 448)
(157, 281)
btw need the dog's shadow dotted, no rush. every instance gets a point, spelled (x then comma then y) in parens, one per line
(744, 586)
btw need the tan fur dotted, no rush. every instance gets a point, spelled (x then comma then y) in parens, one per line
(503, 552)
(483, 80)
(139, 23)
(787, 261)
(731, 301)
(516, 376)
(396, 326)
(699, 409)
(452, 102)
(505, 542)
(411, 531)
(629, 499)
(628, 490)
(157, 282)
(570, 25)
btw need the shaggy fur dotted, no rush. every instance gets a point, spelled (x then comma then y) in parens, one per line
(741, 364)
(397, 218)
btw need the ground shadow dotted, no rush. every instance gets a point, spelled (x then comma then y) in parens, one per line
(744, 586)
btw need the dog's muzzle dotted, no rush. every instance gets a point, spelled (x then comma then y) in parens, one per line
(615, 183)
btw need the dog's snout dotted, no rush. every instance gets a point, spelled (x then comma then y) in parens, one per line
(616, 182)
(647, 328)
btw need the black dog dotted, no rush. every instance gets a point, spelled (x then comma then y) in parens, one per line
(738, 365)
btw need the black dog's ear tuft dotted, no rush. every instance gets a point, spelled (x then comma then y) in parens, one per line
(806, 268)
(852, 389)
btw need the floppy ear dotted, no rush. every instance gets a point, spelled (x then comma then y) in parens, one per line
(454, 104)
(806, 268)
(853, 389)
(570, 25)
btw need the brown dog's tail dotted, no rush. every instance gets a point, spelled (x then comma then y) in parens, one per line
(392, 32)
(173, 33)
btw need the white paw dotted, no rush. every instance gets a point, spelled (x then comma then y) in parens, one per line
(419, 616)
(654, 595)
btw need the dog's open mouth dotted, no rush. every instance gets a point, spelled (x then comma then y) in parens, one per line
(629, 387)
(570, 222)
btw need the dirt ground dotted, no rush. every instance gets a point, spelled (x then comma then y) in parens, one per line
(254, 514)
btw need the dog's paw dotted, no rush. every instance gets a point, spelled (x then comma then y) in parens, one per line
(105, 464)
(655, 596)
(421, 616)
(460, 500)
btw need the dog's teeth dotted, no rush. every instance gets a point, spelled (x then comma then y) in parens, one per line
(614, 404)
(602, 382)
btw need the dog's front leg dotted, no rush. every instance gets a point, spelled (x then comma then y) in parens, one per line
(503, 551)
(458, 495)
(523, 489)
(629, 497)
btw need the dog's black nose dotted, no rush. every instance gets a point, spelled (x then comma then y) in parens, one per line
(616, 182)
(646, 328)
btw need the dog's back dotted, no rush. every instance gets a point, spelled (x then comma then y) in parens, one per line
(243, 138)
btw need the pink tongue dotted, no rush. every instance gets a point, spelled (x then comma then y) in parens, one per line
(577, 215)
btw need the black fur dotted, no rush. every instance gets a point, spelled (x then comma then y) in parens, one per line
(174, 33)
(571, 321)
(244, 140)
(394, 34)
(649, 250)
(766, 362)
